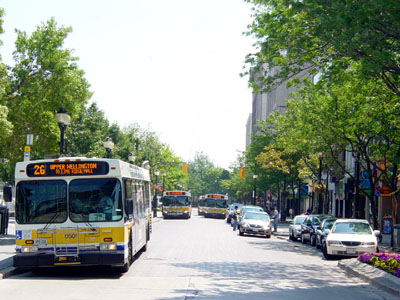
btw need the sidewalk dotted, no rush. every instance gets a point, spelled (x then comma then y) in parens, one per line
(7, 250)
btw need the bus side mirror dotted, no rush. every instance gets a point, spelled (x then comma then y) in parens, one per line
(7, 193)
(129, 207)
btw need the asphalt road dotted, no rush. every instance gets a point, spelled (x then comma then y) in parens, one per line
(202, 259)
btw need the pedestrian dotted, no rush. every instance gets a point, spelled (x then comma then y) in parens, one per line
(234, 217)
(275, 217)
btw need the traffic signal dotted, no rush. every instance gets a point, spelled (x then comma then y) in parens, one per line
(184, 168)
(241, 172)
(269, 197)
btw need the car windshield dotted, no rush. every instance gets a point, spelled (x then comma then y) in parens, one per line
(176, 201)
(41, 201)
(254, 216)
(246, 209)
(299, 220)
(95, 200)
(352, 228)
(318, 220)
(329, 223)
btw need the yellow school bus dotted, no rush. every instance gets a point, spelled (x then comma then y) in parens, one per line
(81, 211)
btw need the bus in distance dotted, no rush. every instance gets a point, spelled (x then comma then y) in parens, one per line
(200, 206)
(81, 211)
(215, 205)
(177, 204)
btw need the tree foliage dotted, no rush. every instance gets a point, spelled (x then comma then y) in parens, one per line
(326, 36)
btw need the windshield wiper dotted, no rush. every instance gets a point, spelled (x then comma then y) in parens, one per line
(53, 218)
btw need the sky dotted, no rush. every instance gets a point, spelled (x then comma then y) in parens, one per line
(172, 66)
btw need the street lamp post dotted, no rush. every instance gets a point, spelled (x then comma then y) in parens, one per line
(320, 205)
(108, 145)
(255, 189)
(156, 174)
(163, 181)
(63, 119)
(131, 158)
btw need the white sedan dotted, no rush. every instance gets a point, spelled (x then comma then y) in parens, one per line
(350, 237)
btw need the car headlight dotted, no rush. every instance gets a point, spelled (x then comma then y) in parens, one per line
(331, 243)
(368, 244)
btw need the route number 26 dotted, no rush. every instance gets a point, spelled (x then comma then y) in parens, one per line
(39, 170)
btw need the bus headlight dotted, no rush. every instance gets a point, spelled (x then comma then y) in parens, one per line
(29, 249)
(108, 246)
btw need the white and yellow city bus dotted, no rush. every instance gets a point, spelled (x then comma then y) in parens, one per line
(200, 205)
(176, 204)
(215, 205)
(80, 211)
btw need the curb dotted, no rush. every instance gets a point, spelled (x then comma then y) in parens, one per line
(7, 272)
(375, 276)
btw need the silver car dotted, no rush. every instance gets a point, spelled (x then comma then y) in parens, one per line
(257, 223)
(295, 227)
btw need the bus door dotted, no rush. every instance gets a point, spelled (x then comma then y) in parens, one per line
(140, 232)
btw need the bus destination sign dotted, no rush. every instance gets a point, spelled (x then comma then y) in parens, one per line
(175, 193)
(81, 168)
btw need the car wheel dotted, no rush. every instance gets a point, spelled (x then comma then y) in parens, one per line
(303, 240)
(312, 240)
(268, 236)
(325, 253)
(240, 232)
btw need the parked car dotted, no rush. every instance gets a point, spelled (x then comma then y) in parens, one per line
(321, 234)
(350, 237)
(246, 208)
(229, 211)
(295, 227)
(309, 228)
(255, 222)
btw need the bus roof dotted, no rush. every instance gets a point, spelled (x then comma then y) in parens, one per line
(78, 167)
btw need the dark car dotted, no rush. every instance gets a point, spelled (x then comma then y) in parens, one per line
(321, 234)
(309, 228)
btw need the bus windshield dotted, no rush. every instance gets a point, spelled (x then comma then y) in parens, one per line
(95, 200)
(41, 201)
(220, 203)
(175, 201)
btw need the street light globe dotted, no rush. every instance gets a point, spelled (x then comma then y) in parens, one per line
(255, 176)
(131, 158)
(62, 118)
(164, 173)
(157, 172)
(146, 165)
(108, 143)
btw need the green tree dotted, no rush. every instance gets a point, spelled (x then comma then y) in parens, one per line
(327, 36)
(44, 79)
